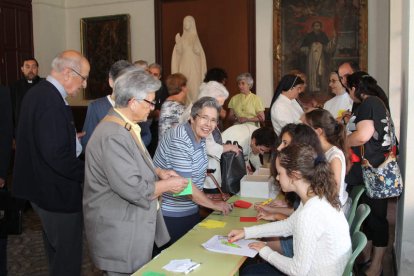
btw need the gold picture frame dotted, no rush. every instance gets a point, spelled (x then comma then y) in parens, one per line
(343, 26)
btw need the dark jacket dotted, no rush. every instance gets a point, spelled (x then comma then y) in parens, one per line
(17, 91)
(6, 131)
(47, 171)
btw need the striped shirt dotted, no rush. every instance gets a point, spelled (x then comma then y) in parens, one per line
(179, 151)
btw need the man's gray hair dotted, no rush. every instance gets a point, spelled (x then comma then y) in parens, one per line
(155, 65)
(117, 67)
(213, 89)
(246, 77)
(204, 102)
(134, 83)
(59, 63)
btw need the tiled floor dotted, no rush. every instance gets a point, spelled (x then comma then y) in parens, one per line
(26, 254)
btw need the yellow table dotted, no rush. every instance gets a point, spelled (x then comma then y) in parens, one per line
(189, 246)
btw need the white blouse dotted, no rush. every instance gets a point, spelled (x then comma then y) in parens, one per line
(285, 111)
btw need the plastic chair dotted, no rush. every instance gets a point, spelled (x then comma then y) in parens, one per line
(355, 195)
(361, 214)
(359, 240)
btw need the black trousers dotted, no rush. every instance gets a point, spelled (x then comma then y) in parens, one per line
(3, 255)
(62, 237)
(375, 225)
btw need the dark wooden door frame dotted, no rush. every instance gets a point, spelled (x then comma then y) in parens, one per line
(251, 34)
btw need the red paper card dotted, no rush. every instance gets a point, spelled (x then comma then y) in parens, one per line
(242, 204)
(248, 219)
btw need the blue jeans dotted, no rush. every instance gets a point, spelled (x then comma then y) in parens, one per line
(287, 246)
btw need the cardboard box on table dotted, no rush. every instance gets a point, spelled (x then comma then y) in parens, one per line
(258, 186)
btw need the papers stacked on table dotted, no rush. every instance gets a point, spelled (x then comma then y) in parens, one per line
(220, 244)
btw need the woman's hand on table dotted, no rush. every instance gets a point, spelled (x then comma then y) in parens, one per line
(257, 245)
(236, 235)
(223, 207)
(278, 203)
(266, 208)
(262, 214)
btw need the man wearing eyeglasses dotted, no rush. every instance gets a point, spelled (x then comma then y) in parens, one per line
(47, 171)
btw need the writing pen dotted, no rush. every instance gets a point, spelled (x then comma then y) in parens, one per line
(266, 202)
(191, 268)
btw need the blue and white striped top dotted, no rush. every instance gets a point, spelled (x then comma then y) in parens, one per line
(179, 151)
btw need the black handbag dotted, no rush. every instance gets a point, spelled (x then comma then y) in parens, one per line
(233, 168)
(10, 214)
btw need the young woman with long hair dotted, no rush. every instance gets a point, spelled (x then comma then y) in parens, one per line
(321, 239)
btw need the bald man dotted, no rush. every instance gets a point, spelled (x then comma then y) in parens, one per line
(346, 69)
(47, 171)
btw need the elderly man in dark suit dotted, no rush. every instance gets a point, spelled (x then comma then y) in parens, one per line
(47, 171)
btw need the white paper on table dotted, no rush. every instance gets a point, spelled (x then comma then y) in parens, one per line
(220, 244)
(184, 265)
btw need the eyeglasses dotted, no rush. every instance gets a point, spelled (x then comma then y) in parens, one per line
(77, 73)
(151, 103)
(206, 120)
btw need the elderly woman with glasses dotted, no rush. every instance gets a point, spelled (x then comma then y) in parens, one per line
(120, 199)
(183, 149)
(285, 109)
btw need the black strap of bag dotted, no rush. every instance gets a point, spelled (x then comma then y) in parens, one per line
(216, 197)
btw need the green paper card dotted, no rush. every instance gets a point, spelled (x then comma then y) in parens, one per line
(151, 273)
(187, 190)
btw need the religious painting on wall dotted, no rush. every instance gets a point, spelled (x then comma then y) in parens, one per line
(315, 36)
(104, 40)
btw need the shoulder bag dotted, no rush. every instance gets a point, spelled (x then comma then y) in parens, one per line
(233, 168)
(385, 181)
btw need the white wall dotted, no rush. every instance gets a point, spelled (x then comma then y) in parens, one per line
(49, 31)
(403, 13)
(378, 37)
(57, 27)
(264, 50)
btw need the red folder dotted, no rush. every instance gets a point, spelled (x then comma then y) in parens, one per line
(242, 204)
(248, 219)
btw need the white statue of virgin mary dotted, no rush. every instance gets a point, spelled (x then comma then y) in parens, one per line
(188, 57)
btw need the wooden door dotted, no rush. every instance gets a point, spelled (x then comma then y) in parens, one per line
(226, 30)
(16, 38)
